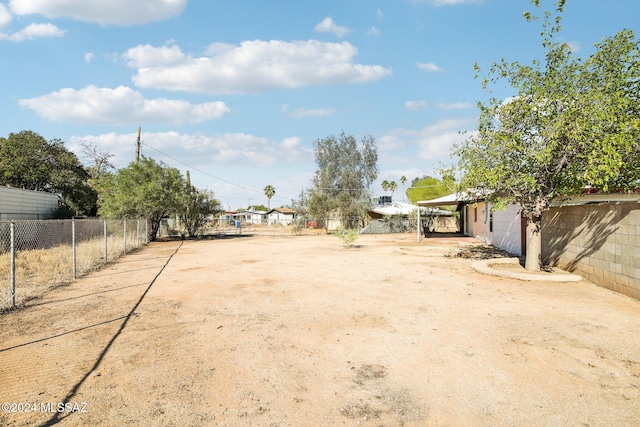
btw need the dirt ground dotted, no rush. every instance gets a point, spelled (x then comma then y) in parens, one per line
(299, 331)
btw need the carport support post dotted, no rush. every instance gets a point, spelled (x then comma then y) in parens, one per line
(418, 227)
(12, 273)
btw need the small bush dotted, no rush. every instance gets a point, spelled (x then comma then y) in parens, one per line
(347, 235)
(296, 229)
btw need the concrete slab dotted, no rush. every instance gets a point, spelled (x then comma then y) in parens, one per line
(510, 269)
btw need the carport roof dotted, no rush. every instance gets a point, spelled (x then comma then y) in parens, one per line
(449, 200)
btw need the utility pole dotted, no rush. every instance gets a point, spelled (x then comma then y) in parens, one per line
(138, 147)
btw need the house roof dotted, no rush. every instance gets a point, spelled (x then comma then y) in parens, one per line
(403, 209)
(448, 200)
(584, 199)
(395, 209)
(253, 212)
(465, 197)
(470, 196)
(282, 210)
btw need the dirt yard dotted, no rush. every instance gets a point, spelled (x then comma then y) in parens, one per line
(299, 331)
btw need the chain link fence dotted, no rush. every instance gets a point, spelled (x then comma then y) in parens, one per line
(308, 226)
(36, 256)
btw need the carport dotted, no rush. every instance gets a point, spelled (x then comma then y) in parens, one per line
(455, 199)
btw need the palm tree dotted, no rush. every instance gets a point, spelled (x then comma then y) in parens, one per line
(392, 187)
(385, 186)
(403, 180)
(269, 191)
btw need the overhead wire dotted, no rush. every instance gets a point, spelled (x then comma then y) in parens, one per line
(244, 187)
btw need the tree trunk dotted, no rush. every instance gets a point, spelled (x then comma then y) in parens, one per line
(534, 244)
(155, 227)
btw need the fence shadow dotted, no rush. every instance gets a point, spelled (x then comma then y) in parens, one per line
(59, 416)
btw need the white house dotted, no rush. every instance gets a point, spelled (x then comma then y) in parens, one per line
(252, 216)
(283, 216)
(504, 229)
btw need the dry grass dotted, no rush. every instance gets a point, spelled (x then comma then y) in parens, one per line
(39, 270)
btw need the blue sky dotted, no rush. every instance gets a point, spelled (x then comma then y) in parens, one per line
(238, 91)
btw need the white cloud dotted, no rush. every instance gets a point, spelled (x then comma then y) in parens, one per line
(415, 105)
(299, 113)
(429, 67)
(390, 142)
(328, 26)
(33, 31)
(454, 106)
(145, 56)
(119, 106)
(199, 150)
(254, 66)
(374, 31)
(379, 15)
(117, 12)
(88, 57)
(5, 16)
(434, 141)
(574, 46)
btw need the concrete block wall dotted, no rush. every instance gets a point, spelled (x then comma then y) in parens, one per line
(599, 241)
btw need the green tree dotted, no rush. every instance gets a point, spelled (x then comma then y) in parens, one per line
(403, 181)
(269, 191)
(197, 207)
(29, 161)
(572, 124)
(147, 189)
(300, 208)
(426, 188)
(392, 186)
(344, 174)
(385, 186)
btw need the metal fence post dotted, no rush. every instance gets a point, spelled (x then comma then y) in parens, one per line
(12, 274)
(137, 233)
(106, 253)
(124, 221)
(73, 246)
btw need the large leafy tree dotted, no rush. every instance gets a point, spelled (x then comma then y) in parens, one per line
(571, 124)
(197, 207)
(147, 189)
(345, 171)
(426, 188)
(29, 161)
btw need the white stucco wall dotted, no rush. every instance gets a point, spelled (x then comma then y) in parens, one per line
(507, 230)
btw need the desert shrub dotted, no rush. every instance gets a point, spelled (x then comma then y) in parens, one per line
(347, 235)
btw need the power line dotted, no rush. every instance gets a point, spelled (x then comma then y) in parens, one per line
(210, 175)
